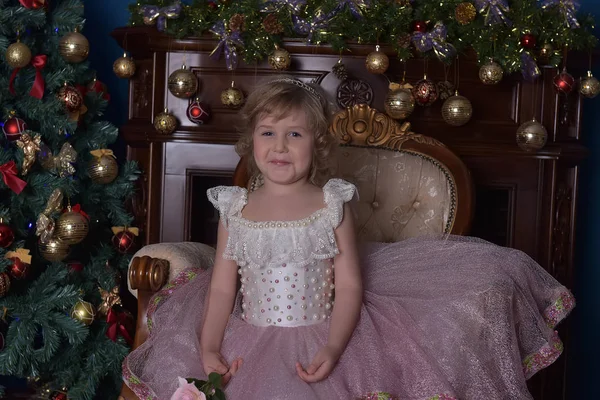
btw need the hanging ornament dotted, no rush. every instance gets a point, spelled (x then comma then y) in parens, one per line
(97, 86)
(183, 83)
(124, 67)
(4, 284)
(34, 4)
(491, 73)
(103, 168)
(124, 237)
(13, 128)
(6, 235)
(377, 62)
(63, 162)
(531, 136)
(564, 82)
(232, 97)
(74, 47)
(165, 123)
(425, 92)
(83, 312)
(56, 395)
(109, 300)
(20, 263)
(545, 53)
(280, 59)
(75, 266)
(53, 250)
(70, 97)
(465, 13)
(339, 70)
(198, 112)
(45, 224)
(420, 26)
(457, 110)
(30, 146)
(589, 86)
(528, 41)
(399, 102)
(72, 226)
(18, 55)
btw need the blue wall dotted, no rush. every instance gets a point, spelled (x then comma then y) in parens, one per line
(105, 15)
(585, 351)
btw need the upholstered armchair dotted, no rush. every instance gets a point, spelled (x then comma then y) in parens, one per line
(409, 185)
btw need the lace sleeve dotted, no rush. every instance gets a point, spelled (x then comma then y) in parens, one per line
(337, 193)
(228, 200)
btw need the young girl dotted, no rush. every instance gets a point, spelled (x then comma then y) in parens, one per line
(426, 318)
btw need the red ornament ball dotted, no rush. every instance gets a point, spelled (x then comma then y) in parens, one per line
(425, 92)
(123, 241)
(6, 235)
(13, 128)
(96, 86)
(528, 41)
(58, 396)
(212, 5)
(198, 112)
(4, 284)
(75, 266)
(71, 97)
(564, 82)
(18, 269)
(420, 26)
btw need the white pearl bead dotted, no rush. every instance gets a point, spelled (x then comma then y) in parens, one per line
(276, 308)
(290, 296)
(289, 318)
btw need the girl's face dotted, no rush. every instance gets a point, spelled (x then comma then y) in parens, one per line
(283, 148)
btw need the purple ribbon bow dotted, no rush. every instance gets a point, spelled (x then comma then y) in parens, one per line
(493, 11)
(568, 8)
(295, 6)
(228, 42)
(161, 14)
(436, 40)
(356, 7)
(319, 23)
(529, 68)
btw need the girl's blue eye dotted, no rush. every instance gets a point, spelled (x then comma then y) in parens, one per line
(295, 134)
(267, 134)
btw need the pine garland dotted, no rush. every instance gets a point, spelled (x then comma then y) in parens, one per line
(386, 22)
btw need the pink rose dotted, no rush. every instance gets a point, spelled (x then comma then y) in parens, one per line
(187, 391)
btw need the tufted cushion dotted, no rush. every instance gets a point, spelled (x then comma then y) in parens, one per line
(179, 255)
(402, 194)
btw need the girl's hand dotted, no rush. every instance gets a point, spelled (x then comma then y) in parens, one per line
(214, 362)
(321, 365)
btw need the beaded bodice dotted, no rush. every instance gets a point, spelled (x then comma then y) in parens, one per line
(285, 267)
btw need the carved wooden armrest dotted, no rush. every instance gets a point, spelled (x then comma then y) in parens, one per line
(148, 275)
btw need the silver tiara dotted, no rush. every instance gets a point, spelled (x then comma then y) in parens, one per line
(302, 85)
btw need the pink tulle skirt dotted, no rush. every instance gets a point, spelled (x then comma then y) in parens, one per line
(456, 318)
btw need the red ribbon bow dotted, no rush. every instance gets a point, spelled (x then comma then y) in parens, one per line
(33, 4)
(117, 323)
(37, 91)
(10, 178)
(77, 208)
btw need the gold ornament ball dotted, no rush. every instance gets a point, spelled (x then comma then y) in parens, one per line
(183, 83)
(103, 170)
(54, 250)
(546, 52)
(457, 110)
(399, 103)
(280, 59)
(165, 123)
(232, 97)
(83, 312)
(531, 136)
(124, 67)
(491, 73)
(71, 227)
(377, 62)
(18, 55)
(74, 47)
(465, 13)
(589, 86)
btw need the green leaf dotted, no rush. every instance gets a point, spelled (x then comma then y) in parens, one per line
(219, 394)
(215, 379)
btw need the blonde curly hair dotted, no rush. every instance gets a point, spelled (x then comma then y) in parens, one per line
(277, 98)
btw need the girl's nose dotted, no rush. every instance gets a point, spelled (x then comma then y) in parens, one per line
(281, 144)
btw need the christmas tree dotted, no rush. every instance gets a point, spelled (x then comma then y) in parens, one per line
(65, 230)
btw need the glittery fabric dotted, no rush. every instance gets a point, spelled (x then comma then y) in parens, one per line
(442, 318)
